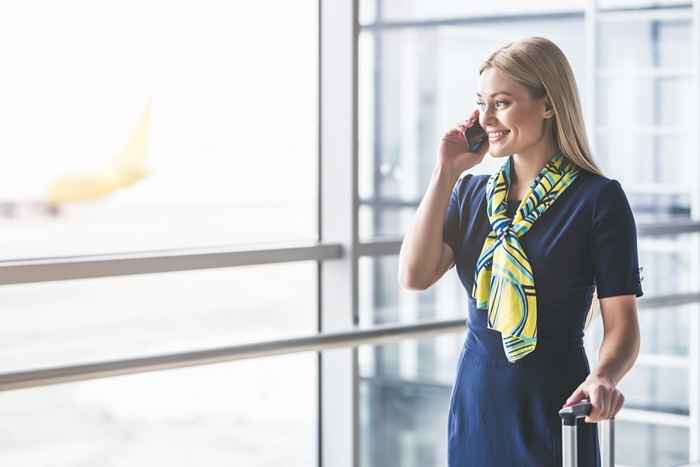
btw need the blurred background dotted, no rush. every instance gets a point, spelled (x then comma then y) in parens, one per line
(150, 128)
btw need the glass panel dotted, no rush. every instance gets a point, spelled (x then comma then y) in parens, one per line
(633, 100)
(368, 11)
(383, 301)
(644, 444)
(224, 414)
(400, 126)
(653, 388)
(155, 138)
(405, 386)
(417, 10)
(68, 322)
(386, 220)
(664, 331)
(404, 398)
(673, 39)
(667, 265)
(639, 157)
(643, 44)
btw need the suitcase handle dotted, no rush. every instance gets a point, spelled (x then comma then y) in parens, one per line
(569, 416)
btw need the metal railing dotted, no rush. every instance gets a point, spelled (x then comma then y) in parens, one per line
(81, 267)
(314, 343)
(22, 271)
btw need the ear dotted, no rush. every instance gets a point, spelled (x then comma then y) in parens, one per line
(548, 110)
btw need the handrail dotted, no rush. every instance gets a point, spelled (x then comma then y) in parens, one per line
(22, 271)
(653, 229)
(314, 343)
(326, 341)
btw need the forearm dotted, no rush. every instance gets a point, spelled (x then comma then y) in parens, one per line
(617, 353)
(422, 245)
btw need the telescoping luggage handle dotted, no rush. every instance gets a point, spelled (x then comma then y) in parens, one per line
(569, 441)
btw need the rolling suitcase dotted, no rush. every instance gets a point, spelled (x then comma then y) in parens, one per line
(569, 446)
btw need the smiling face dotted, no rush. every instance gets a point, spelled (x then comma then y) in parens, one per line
(516, 122)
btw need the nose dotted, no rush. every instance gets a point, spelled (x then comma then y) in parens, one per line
(487, 115)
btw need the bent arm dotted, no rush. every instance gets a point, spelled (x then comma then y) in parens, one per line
(424, 257)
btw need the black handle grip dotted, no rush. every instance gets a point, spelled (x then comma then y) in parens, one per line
(570, 414)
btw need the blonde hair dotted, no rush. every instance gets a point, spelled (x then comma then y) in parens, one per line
(540, 65)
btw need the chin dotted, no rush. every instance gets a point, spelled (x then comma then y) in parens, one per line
(498, 153)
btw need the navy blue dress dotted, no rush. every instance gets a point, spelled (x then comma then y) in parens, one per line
(503, 413)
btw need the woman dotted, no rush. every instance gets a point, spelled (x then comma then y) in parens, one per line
(531, 243)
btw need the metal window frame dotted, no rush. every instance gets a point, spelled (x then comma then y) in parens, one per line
(693, 166)
(338, 375)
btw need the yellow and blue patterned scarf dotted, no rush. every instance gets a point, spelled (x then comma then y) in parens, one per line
(504, 282)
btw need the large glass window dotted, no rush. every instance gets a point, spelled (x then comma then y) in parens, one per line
(643, 136)
(415, 84)
(383, 301)
(404, 396)
(141, 126)
(225, 414)
(643, 117)
(68, 322)
(646, 444)
(418, 74)
(248, 413)
(144, 125)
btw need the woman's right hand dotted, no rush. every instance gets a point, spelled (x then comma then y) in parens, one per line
(453, 151)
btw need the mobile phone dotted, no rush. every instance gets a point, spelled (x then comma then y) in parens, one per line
(475, 136)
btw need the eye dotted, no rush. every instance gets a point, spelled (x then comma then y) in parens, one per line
(499, 104)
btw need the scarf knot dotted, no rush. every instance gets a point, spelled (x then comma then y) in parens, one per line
(504, 283)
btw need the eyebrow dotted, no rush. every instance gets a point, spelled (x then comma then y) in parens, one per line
(497, 93)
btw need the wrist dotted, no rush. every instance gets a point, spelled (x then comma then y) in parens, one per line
(443, 172)
(602, 375)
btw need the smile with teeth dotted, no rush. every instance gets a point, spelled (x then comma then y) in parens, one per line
(497, 135)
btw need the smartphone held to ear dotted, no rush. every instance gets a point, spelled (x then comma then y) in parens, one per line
(475, 136)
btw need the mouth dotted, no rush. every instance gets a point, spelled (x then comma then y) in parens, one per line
(497, 136)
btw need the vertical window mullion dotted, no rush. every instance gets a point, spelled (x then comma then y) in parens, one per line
(338, 213)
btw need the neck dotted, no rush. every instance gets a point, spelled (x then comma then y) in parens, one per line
(528, 163)
(525, 169)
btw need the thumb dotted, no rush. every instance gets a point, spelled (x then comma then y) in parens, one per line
(578, 395)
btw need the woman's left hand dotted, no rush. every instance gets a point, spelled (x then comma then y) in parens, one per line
(604, 397)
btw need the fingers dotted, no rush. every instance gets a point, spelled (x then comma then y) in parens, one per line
(578, 395)
(618, 402)
(606, 403)
(599, 401)
(470, 121)
(454, 134)
(458, 133)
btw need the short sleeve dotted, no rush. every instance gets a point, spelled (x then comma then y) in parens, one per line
(614, 244)
(452, 225)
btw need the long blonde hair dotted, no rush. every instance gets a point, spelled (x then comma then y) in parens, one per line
(540, 65)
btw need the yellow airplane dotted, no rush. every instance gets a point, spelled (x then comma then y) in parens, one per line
(126, 169)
